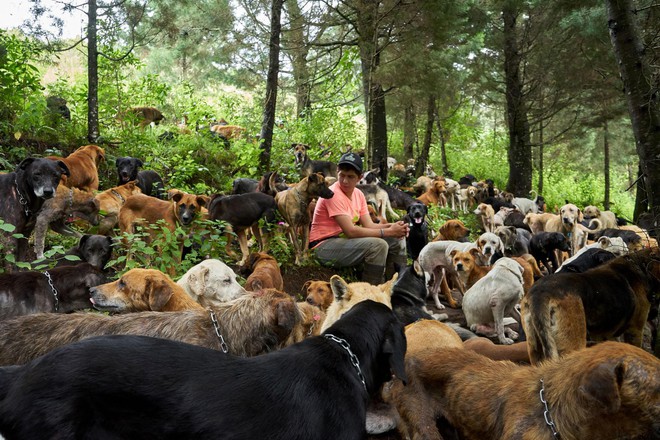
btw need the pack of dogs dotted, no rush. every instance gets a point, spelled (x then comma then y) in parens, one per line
(554, 309)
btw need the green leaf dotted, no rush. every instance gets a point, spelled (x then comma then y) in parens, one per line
(7, 227)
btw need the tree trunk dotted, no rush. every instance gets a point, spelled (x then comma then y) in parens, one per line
(299, 51)
(409, 132)
(270, 102)
(642, 102)
(423, 158)
(606, 166)
(520, 151)
(541, 148)
(92, 76)
(378, 130)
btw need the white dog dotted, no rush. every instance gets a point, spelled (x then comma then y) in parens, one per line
(493, 297)
(211, 283)
(489, 243)
(616, 245)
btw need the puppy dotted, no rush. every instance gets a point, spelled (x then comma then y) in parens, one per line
(606, 392)
(83, 166)
(418, 236)
(140, 290)
(265, 272)
(492, 298)
(486, 216)
(211, 283)
(319, 293)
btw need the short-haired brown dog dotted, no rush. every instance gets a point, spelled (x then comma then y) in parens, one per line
(606, 392)
(83, 166)
(265, 272)
(452, 230)
(111, 201)
(319, 293)
(435, 195)
(142, 116)
(183, 209)
(140, 290)
(465, 263)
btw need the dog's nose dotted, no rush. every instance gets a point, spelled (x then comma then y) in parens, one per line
(459, 266)
(48, 193)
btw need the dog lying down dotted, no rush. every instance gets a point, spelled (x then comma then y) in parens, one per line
(606, 392)
(253, 324)
(139, 387)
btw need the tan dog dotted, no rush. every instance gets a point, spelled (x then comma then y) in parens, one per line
(83, 165)
(319, 294)
(452, 230)
(465, 263)
(311, 320)
(537, 222)
(347, 295)
(435, 195)
(467, 198)
(516, 352)
(183, 209)
(265, 272)
(606, 392)
(293, 204)
(110, 203)
(141, 116)
(486, 215)
(248, 326)
(568, 223)
(140, 290)
(68, 204)
(429, 334)
(607, 218)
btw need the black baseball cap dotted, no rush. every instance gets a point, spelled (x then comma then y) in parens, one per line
(353, 160)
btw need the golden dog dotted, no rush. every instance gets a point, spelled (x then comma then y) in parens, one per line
(311, 320)
(606, 392)
(486, 215)
(537, 222)
(111, 201)
(83, 165)
(607, 218)
(319, 294)
(452, 230)
(568, 223)
(140, 290)
(265, 272)
(141, 116)
(435, 195)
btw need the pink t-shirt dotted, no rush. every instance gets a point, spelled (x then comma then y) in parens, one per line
(323, 223)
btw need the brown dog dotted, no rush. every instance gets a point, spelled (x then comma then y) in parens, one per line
(183, 209)
(142, 116)
(452, 230)
(319, 294)
(486, 215)
(606, 392)
(110, 203)
(265, 272)
(516, 352)
(83, 166)
(68, 204)
(311, 320)
(253, 324)
(140, 290)
(605, 302)
(467, 268)
(227, 131)
(435, 195)
(293, 204)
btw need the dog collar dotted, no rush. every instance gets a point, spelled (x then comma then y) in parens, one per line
(54, 290)
(119, 196)
(22, 200)
(546, 412)
(223, 345)
(354, 360)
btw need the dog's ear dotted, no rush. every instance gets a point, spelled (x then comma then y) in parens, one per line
(474, 252)
(176, 198)
(203, 200)
(580, 215)
(452, 253)
(119, 159)
(288, 316)
(83, 240)
(394, 345)
(138, 163)
(306, 286)
(257, 285)
(64, 168)
(418, 269)
(339, 287)
(197, 280)
(387, 286)
(600, 387)
(604, 242)
(159, 291)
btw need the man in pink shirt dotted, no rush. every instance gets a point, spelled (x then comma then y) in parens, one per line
(342, 233)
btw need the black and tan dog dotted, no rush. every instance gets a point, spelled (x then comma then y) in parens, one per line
(22, 194)
(308, 166)
(293, 204)
(243, 212)
(606, 392)
(61, 289)
(166, 389)
(562, 310)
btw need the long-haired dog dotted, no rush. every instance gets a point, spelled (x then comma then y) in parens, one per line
(253, 324)
(606, 392)
(138, 387)
(603, 303)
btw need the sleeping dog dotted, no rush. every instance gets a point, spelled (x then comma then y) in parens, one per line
(418, 236)
(141, 387)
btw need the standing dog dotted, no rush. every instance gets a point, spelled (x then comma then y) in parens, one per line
(183, 391)
(22, 194)
(606, 392)
(544, 247)
(486, 215)
(149, 182)
(83, 167)
(418, 237)
(308, 166)
(603, 303)
(607, 218)
(293, 204)
(211, 283)
(264, 272)
(141, 116)
(110, 203)
(435, 195)
(61, 289)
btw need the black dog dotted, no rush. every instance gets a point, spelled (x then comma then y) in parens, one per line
(22, 194)
(516, 218)
(148, 181)
(141, 387)
(419, 230)
(587, 260)
(28, 292)
(270, 183)
(409, 295)
(543, 246)
(93, 249)
(497, 203)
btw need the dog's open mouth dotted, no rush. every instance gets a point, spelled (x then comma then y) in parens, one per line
(418, 220)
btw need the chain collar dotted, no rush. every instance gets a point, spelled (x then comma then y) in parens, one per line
(119, 196)
(54, 290)
(354, 360)
(22, 200)
(546, 412)
(223, 345)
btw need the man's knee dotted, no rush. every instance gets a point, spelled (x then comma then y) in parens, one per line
(377, 252)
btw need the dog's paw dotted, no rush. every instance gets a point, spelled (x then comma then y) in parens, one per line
(511, 333)
(439, 306)
(440, 316)
(506, 341)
